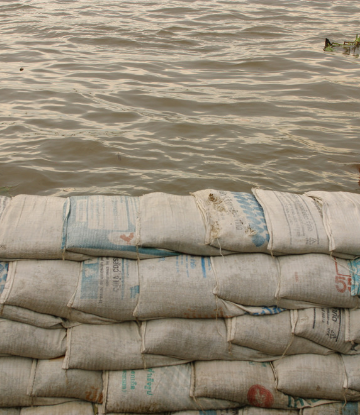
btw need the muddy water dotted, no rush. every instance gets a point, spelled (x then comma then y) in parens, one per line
(134, 97)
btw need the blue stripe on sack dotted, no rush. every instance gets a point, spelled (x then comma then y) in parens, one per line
(4, 268)
(354, 266)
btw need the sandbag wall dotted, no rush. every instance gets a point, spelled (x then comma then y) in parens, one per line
(221, 301)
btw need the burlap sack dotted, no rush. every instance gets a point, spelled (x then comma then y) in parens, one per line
(341, 215)
(105, 226)
(108, 287)
(316, 279)
(70, 408)
(31, 227)
(325, 326)
(172, 222)
(110, 347)
(294, 223)
(352, 318)
(180, 287)
(49, 379)
(271, 335)
(233, 221)
(161, 389)
(194, 339)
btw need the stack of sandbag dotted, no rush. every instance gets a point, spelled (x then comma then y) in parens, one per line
(220, 301)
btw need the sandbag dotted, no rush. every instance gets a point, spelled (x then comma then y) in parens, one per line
(9, 411)
(172, 222)
(271, 335)
(250, 410)
(336, 408)
(31, 227)
(70, 408)
(194, 339)
(313, 376)
(108, 287)
(4, 269)
(354, 271)
(352, 318)
(316, 279)
(152, 390)
(325, 326)
(294, 223)
(180, 287)
(20, 339)
(45, 287)
(15, 375)
(247, 383)
(49, 379)
(105, 226)
(22, 315)
(110, 347)
(233, 221)
(341, 215)
(352, 369)
(248, 279)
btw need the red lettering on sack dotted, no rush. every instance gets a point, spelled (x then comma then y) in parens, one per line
(342, 281)
(127, 238)
(259, 396)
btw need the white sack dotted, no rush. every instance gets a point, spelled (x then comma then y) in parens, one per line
(180, 287)
(341, 215)
(247, 279)
(315, 279)
(32, 227)
(271, 335)
(294, 223)
(108, 287)
(194, 339)
(105, 226)
(352, 369)
(352, 325)
(109, 347)
(172, 222)
(49, 379)
(162, 389)
(45, 287)
(70, 408)
(337, 408)
(20, 339)
(233, 221)
(313, 376)
(15, 375)
(325, 326)
(248, 383)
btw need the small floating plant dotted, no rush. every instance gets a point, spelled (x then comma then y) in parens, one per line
(348, 48)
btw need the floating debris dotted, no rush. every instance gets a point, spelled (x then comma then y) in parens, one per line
(347, 48)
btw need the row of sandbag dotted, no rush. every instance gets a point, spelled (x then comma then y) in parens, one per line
(292, 382)
(85, 408)
(165, 342)
(208, 222)
(105, 290)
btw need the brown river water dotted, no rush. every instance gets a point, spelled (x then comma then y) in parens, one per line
(132, 97)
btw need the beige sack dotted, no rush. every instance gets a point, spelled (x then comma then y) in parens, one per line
(325, 326)
(180, 287)
(352, 325)
(22, 315)
(9, 411)
(313, 376)
(341, 215)
(105, 226)
(337, 408)
(32, 227)
(249, 410)
(248, 279)
(110, 347)
(20, 339)
(45, 287)
(247, 383)
(194, 339)
(49, 379)
(271, 335)
(108, 287)
(294, 223)
(70, 408)
(352, 369)
(233, 221)
(317, 279)
(162, 389)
